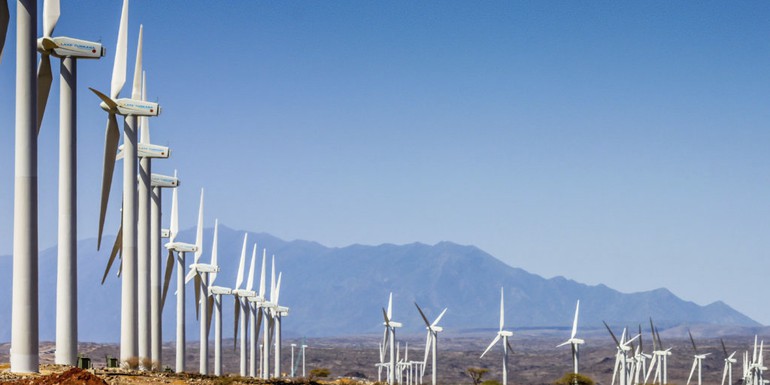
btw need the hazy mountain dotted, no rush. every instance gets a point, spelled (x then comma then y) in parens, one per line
(340, 291)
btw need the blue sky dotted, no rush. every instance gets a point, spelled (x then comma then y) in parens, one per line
(623, 143)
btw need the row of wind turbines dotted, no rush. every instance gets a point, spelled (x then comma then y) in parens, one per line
(139, 238)
(630, 366)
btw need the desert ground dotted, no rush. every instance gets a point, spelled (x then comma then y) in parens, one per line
(535, 360)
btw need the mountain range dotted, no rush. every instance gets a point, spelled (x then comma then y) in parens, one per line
(340, 291)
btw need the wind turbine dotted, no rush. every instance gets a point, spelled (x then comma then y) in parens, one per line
(130, 108)
(574, 342)
(390, 334)
(241, 303)
(216, 292)
(659, 360)
(697, 360)
(504, 334)
(278, 313)
(181, 249)
(621, 358)
(69, 50)
(431, 341)
(200, 272)
(640, 360)
(729, 361)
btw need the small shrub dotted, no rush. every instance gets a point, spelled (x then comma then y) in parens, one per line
(574, 379)
(319, 373)
(132, 363)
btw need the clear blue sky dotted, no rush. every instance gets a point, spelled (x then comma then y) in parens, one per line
(624, 143)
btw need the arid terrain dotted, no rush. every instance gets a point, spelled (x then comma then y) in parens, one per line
(535, 359)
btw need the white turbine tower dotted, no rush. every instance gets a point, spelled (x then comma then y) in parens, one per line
(130, 108)
(697, 360)
(659, 358)
(504, 335)
(390, 334)
(25, 355)
(181, 249)
(216, 292)
(431, 342)
(69, 50)
(727, 373)
(574, 342)
(255, 316)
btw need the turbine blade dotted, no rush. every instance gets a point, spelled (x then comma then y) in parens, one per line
(121, 52)
(390, 306)
(439, 317)
(144, 122)
(115, 249)
(272, 280)
(209, 312)
(508, 343)
(5, 16)
(214, 252)
(385, 316)
(136, 90)
(250, 280)
(427, 347)
(111, 138)
(724, 349)
(51, 13)
(262, 275)
(641, 349)
(654, 340)
(197, 295)
(724, 373)
(574, 323)
(617, 343)
(190, 274)
(422, 315)
(502, 310)
(694, 348)
(694, 363)
(237, 309)
(494, 341)
(167, 277)
(242, 263)
(199, 233)
(44, 80)
(278, 288)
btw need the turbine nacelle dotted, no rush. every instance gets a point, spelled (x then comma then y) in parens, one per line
(244, 293)
(64, 46)
(146, 150)
(256, 299)
(220, 290)
(181, 247)
(505, 333)
(127, 106)
(159, 180)
(435, 329)
(204, 268)
(393, 324)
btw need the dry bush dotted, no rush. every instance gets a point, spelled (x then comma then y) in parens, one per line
(132, 363)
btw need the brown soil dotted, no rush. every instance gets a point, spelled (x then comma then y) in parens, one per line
(73, 376)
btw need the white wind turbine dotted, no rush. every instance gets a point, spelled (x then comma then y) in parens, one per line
(241, 297)
(659, 358)
(201, 272)
(727, 374)
(574, 342)
(390, 334)
(69, 50)
(158, 183)
(431, 341)
(621, 370)
(697, 360)
(216, 292)
(504, 335)
(130, 108)
(181, 249)
(640, 361)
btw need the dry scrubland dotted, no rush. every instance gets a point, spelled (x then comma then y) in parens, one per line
(535, 361)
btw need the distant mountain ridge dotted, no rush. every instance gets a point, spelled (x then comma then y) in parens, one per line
(340, 291)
